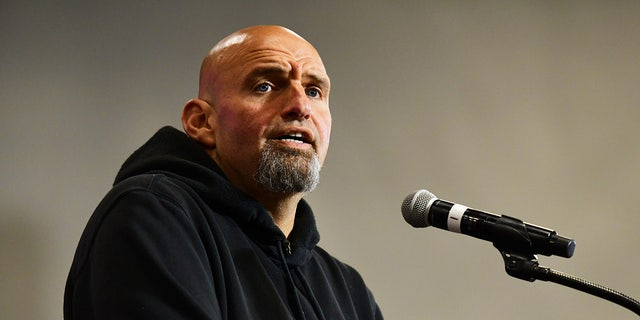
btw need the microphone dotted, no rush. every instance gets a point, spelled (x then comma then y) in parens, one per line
(422, 209)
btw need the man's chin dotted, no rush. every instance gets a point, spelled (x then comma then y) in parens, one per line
(290, 170)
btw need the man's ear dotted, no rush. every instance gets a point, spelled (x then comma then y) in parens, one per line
(198, 121)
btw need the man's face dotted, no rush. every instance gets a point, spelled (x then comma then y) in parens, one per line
(270, 96)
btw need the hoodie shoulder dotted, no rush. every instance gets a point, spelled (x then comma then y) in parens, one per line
(171, 150)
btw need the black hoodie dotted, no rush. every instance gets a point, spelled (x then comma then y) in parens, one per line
(174, 239)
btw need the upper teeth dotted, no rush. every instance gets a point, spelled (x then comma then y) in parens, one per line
(294, 135)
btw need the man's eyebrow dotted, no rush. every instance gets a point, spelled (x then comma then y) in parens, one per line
(267, 71)
(318, 79)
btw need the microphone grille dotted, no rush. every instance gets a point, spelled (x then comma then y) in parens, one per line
(416, 206)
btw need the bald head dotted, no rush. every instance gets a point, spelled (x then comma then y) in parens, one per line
(239, 47)
(253, 33)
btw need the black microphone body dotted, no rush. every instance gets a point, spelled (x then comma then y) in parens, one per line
(422, 209)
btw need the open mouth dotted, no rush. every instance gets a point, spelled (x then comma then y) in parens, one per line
(297, 137)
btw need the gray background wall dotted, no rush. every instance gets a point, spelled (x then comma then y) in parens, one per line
(527, 108)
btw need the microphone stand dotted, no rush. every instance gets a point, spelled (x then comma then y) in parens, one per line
(526, 267)
(521, 262)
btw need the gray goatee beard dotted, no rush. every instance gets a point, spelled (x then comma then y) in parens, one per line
(288, 170)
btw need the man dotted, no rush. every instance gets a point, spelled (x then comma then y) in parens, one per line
(212, 224)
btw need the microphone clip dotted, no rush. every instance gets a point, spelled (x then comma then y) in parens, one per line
(520, 266)
(512, 239)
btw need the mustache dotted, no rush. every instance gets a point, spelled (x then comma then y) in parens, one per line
(288, 151)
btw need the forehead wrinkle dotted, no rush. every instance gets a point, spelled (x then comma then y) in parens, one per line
(267, 63)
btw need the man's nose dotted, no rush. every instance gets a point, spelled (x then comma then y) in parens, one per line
(297, 105)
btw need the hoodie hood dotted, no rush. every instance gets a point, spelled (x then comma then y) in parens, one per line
(171, 152)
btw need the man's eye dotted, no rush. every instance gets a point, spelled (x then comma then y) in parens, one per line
(313, 92)
(264, 87)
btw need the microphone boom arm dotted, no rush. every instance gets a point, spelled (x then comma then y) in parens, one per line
(521, 262)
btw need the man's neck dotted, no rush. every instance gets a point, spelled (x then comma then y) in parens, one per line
(281, 206)
(282, 209)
